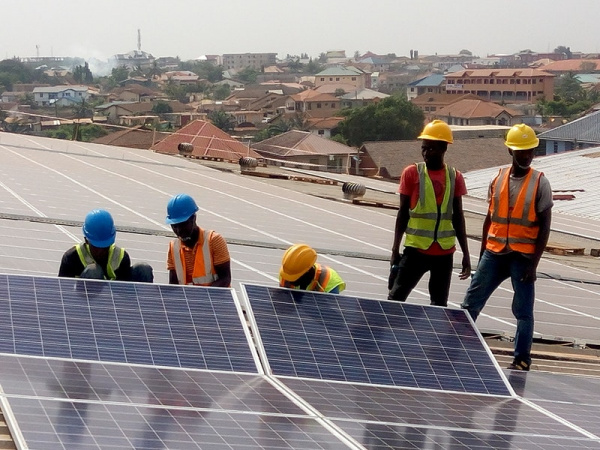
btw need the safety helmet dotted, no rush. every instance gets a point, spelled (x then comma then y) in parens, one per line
(180, 208)
(296, 261)
(521, 137)
(99, 228)
(437, 130)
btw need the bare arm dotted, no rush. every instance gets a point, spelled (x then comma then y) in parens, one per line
(487, 222)
(401, 224)
(224, 273)
(458, 222)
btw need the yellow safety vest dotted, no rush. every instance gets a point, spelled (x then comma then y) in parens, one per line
(325, 280)
(115, 256)
(428, 222)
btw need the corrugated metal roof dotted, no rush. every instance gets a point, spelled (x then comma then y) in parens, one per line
(584, 129)
(575, 172)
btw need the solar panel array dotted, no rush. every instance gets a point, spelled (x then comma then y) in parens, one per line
(72, 378)
(334, 337)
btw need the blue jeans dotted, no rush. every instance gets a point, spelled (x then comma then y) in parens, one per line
(492, 270)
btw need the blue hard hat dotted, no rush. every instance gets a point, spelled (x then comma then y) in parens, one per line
(99, 228)
(180, 208)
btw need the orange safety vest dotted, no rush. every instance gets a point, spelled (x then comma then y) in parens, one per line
(201, 276)
(519, 228)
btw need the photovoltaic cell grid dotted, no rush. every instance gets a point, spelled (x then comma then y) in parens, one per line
(53, 424)
(333, 337)
(136, 323)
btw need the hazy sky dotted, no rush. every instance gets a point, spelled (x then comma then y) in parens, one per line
(192, 28)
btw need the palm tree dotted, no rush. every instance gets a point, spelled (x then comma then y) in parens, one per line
(222, 120)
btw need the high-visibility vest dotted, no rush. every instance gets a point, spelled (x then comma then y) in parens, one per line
(115, 256)
(204, 273)
(429, 222)
(325, 280)
(518, 229)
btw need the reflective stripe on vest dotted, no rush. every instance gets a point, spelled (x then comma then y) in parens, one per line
(115, 256)
(325, 280)
(519, 229)
(427, 221)
(200, 275)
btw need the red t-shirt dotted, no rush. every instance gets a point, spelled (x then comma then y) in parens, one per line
(409, 185)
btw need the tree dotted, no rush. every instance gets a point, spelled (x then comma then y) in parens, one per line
(356, 55)
(247, 75)
(119, 74)
(393, 118)
(323, 58)
(83, 74)
(161, 107)
(222, 120)
(221, 92)
(312, 67)
(339, 92)
(82, 110)
(587, 66)
(564, 50)
(295, 65)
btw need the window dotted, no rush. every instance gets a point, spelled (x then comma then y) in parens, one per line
(337, 79)
(322, 79)
(333, 106)
(321, 132)
(555, 146)
(318, 105)
(353, 78)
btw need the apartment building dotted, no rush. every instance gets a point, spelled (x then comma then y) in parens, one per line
(502, 85)
(256, 61)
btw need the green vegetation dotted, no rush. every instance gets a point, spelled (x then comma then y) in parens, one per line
(85, 133)
(394, 118)
(570, 99)
(222, 120)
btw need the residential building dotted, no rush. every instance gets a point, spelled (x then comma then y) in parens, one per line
(578, 134)
(361, 97)
(133, 59)
(11, 96)
(323, 127)
(180, 77)
(432, 84)
(316, 104)
(430, 104)
(477, 112)
(387, 159)
(305, 148)
(138, 137)
(209, 142)
(256, 61)
(347, 75)
(61, 95)
(573, 65)
(503, 85)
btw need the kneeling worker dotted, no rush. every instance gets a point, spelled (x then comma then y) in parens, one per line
(98, 257)
(300, 270)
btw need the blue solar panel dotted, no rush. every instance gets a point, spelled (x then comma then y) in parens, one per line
(139, 323)
(333, 337)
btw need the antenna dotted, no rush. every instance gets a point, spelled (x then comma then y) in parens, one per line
(139, 40)
(37, 50)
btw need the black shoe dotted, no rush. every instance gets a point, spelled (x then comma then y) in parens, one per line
(520, 365)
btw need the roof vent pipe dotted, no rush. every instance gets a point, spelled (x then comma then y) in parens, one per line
(353, 190)
(248, 164)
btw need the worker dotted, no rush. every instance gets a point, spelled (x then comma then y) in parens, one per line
(196, 256)
(98, 257)
(431, 215)
(515, 233)
(300, 270)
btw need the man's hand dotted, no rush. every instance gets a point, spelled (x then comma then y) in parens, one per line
(466, 268)
(529, 275)
(395, 258)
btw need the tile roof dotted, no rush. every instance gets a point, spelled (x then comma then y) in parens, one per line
(300, 143)
(330, 88)
(132, 138)
(208, 140)
(443, 97)
(324, 124)
(363, 94)
(314, 96)
(465, 155)
(585, 129)
(433, 80)
(569, 65)
(61, 88)
(475, 108)
(500, 73)
(340, 71)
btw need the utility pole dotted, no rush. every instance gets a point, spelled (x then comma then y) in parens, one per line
(139, 40)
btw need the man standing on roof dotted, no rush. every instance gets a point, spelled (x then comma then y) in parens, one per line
(197, 256)
(300, 270)
(515, 233)
(431, 215)
(98, 257)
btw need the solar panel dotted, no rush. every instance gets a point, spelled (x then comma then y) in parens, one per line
(55, 424)
(136, 323)
(334, 337)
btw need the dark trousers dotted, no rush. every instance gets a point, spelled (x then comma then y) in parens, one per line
(412, 267)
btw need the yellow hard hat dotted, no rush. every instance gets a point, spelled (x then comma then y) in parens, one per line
(437, 130)
(296, 261)
(521, 137)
